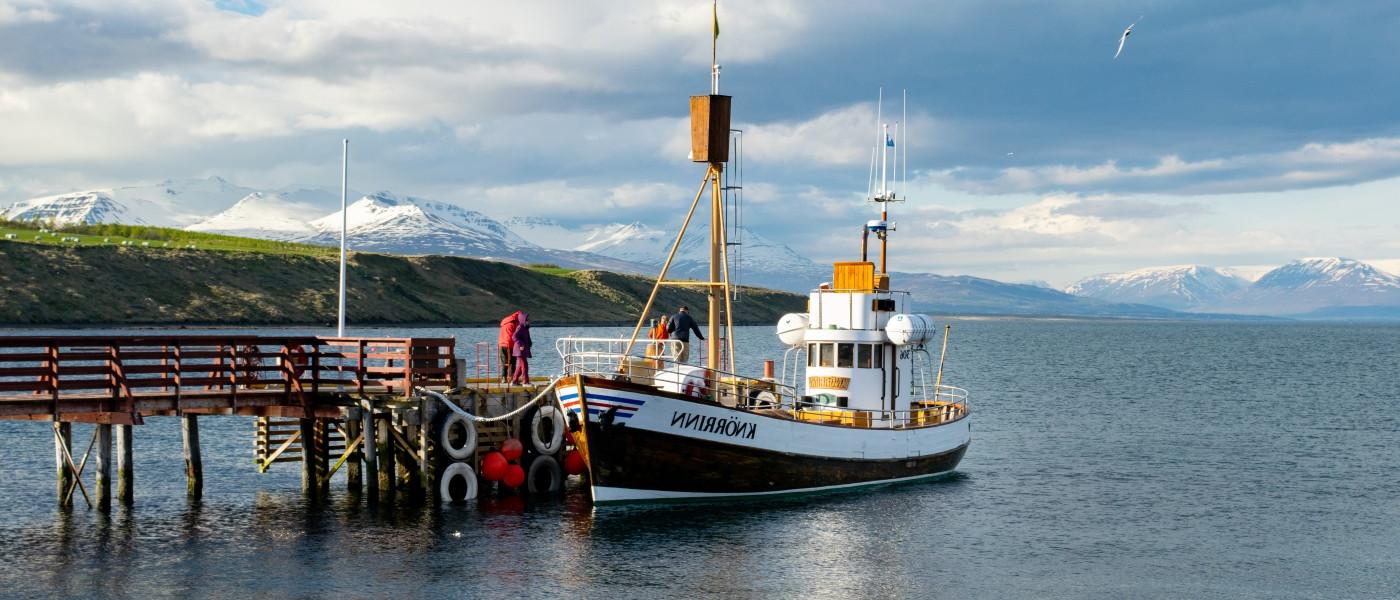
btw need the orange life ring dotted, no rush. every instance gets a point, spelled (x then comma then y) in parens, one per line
(298, 361)
(697, 391)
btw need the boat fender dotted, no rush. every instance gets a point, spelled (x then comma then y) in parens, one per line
(545, 476)
(454, 471)
(550, 441)
(458, 449)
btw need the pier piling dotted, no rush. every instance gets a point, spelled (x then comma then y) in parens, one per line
(426, 472)
(126, 493)
(62, 448)
(104, 468)
(386, 455)
(371, 450)
(353, 473)
(194, 465)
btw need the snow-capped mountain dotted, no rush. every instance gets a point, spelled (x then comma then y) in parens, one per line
(1180, 287)
(1328, 273)
(1318, 284)
(268, 216)
(170, 203)
(547, 233)
(384, 222)
(754, 260)
(1308, 288)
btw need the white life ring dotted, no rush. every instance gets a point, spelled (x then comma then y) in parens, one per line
(547, 463)
(463, 450)
(556, 434)
(453, 471)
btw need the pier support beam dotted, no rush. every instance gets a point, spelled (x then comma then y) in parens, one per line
(313, 454)
(104, 468)
(427, 414)
(371, 451)
(408, 467)
(125, 474)
(62, 447)
(386, 455)
(353, 475)
(194, 465)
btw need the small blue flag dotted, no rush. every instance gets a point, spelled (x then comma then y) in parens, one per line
(889, 141)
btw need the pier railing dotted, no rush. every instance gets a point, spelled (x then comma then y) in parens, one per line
(116, 379)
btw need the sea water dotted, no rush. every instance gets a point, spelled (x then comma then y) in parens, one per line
(1109, 460)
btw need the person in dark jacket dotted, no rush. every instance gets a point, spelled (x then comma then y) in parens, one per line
(680, 327)
(520, 349)
(504, 342)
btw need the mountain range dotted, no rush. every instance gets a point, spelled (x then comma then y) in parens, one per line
(388, 223)
(1319, 288)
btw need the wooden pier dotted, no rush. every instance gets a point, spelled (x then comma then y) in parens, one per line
(325, 402)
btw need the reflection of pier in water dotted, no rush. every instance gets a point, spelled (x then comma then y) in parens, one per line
(326, 402)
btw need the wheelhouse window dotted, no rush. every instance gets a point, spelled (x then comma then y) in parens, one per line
(811, 355)
(845, 355)
(827, 358)
(879, 356)
(863, 356)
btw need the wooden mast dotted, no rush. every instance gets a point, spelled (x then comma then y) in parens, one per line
(709, 143)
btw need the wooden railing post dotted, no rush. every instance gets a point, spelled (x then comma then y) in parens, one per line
(360, 369)
(408, 368)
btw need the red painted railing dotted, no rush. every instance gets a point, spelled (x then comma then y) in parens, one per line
(47, 376)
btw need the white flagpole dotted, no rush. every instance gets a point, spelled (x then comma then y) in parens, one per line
(344, 219)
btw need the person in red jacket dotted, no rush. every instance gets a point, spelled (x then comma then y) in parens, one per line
(520, 349)
(506, 342)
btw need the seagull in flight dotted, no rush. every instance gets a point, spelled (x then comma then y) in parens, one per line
(1124, 38)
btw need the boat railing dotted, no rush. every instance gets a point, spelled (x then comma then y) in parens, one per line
(948, 404)
(606, 355)
(656, 363)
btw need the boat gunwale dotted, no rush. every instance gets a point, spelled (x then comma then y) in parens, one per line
(630, 386)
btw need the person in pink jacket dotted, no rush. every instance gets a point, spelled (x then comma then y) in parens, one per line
(504, 342)
(520, 349)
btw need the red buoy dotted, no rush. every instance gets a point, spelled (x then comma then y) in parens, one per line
(514, 475)
(512, 449)
(493, 466)
(573, 463)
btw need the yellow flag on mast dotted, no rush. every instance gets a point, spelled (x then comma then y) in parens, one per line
(716, 19)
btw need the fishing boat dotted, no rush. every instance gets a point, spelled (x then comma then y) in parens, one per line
(860, 401)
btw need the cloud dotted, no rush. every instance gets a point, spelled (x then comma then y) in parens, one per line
(571, 202)
(1309, 166)
(18, 14)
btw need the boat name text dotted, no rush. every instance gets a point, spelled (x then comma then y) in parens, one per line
(829, 382)
(731, 427)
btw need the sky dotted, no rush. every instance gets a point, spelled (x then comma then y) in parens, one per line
(1228, 133)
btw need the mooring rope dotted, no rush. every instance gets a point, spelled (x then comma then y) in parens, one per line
(459, 410)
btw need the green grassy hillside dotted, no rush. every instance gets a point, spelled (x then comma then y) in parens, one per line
(77, 284)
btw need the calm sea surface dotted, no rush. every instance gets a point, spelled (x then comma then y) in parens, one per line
(1109, 460)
